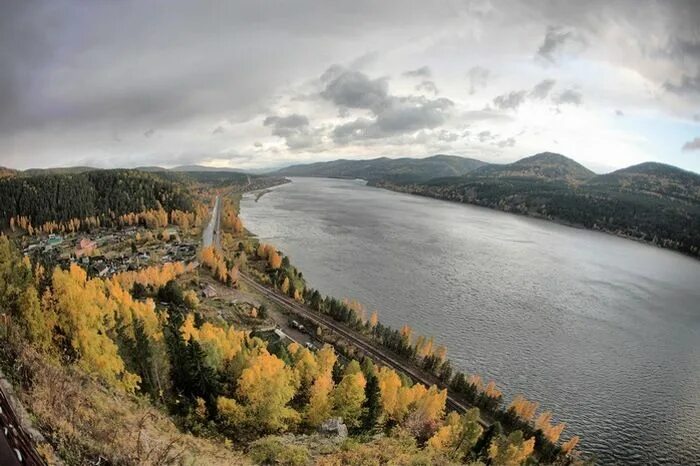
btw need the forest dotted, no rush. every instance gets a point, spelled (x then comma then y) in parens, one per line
(102, 194)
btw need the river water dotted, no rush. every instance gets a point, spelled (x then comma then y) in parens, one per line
(601, 330)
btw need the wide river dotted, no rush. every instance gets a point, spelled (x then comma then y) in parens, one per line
(603, 331)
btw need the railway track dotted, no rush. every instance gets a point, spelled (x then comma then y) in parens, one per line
(367, 347)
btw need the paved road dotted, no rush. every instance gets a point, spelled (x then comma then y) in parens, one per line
(211, 232)
(361, 342)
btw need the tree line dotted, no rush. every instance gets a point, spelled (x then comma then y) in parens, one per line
(101, 195)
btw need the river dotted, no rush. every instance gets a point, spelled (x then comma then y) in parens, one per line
(603, 331)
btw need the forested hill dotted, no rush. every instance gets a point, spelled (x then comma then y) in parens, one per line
(403, 170)
(651, 202)
(61, 197)
(545, 166)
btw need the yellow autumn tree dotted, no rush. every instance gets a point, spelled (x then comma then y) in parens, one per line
(38, 324)
(568, 446)
(523, 408)
(86, 317)
(512, 450)
(458, 435)
(268, 385)
(550, 431)
(320, 403)
(349, 395)
(304, 363)
(373, 319)
(219, 344)
(274, 259)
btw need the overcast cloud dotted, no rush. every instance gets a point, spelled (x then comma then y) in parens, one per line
(264, 84)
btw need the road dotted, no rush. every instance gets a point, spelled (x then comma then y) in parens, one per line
(211, 232)
(16, 447)
(361, 342)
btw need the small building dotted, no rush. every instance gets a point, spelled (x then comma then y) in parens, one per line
(209, 292)
(85, 248)
(101, 269)
(53, 241)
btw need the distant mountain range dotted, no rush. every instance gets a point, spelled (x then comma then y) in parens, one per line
(401, 170)
(5, 172)
(651, 202)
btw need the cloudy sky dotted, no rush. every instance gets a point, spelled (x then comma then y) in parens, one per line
(268, 83)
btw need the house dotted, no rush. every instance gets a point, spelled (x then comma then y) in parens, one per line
(85, 248)
(101, 269)
(53, 241)
(209, 292)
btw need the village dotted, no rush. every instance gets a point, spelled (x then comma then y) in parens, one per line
(105, 252)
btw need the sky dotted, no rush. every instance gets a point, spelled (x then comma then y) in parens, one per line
(263, 84)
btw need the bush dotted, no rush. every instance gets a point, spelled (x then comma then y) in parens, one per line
(272, 450)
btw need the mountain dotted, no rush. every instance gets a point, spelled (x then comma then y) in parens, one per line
(650, 202)
(202, 168)
(7, 172)
(651, 178)
(402, 170)
(56, 171)
(545, 166)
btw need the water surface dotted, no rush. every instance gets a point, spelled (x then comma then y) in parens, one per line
(603, 331)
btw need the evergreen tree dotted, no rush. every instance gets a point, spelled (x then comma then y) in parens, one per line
(373, 404)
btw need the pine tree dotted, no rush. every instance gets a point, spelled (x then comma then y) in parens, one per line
(372, 406)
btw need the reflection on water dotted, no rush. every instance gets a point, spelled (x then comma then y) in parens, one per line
(603, 331)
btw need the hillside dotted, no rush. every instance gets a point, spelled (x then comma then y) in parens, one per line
(402, 170)
(544, 166)
(56, 171)
(651, 178)
(7, 172)
(650, 202)
(101, 193)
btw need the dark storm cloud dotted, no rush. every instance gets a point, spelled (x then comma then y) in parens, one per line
(392, 115)
(555, 40)
(400, 115)
(353, 89)
(692, 145)
(569, 96)
(541, 90)
(422, 72)
(510, 101)
(294, 129)
(686, 85)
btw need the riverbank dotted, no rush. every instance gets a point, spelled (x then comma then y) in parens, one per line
(512, 208)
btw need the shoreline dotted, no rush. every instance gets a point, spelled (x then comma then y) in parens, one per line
(558, 221)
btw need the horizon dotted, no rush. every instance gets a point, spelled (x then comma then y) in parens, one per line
(267, 85)
(263, 170)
